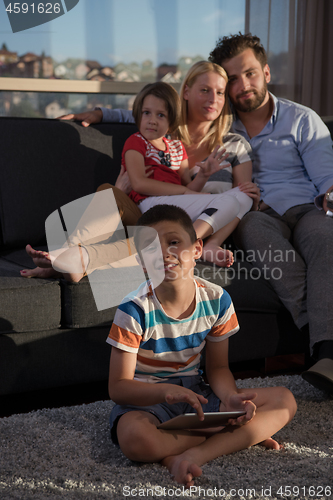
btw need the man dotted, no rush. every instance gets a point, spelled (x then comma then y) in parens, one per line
(293, 166)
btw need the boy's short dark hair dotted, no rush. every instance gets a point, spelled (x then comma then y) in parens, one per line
(168, 94)
(228, 47)
(169, 213)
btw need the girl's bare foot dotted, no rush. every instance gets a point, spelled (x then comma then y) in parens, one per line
(181, 469)
(39, 272)
(40, 259)
(44, 267)
(217, 255)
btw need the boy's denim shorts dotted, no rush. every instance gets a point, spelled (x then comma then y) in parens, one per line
(165, 411)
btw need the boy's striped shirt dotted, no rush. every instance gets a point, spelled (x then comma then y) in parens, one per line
(166, 346)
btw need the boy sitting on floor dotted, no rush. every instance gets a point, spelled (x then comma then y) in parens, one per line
(157, 338)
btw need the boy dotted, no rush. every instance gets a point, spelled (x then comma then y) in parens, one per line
(157, 337)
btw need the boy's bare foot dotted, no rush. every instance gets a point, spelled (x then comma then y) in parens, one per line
(217, 255)
(40, 259)
(39, 272)
(271, 444)
(181, 469)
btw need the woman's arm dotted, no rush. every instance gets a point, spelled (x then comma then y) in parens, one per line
(142, 184)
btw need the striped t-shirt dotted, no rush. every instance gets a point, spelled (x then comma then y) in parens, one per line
(169, 347)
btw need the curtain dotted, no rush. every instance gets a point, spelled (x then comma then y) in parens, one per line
(298, 37)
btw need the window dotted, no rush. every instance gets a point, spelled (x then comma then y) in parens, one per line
(100, 53)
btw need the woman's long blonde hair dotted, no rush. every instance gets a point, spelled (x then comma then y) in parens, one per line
(221, 125)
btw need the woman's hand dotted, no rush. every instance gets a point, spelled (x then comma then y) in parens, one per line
(253, 191)
(213, 163)
(87, 117)
(123, 182)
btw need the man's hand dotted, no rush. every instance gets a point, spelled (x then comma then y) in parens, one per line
(252, 190)
(241, 401)
(213, 163)
(87, 117)
(325, 207)
(179, 394)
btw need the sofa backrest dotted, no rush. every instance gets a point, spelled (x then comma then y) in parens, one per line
(48, 163)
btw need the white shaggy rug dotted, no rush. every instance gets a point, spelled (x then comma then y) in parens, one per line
(67, 453)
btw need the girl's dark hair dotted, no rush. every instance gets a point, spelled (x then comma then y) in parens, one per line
(228, 47)
(163, 91)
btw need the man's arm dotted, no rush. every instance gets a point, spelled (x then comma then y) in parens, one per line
(117, 115)
(315, 148)
(99, 115)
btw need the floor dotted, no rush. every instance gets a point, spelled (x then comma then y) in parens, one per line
(89, 393)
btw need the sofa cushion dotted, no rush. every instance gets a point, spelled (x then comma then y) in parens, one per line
(27, 305)
(68, 162)
(79, 308)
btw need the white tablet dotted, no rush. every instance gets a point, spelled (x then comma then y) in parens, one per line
(191, 420)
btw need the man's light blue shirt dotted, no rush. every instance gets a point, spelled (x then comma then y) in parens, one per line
(293, 156)
(117, 115)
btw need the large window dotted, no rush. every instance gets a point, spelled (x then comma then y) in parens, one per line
(100, 52)
(121, 43)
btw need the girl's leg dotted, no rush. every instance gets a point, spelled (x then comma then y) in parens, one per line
(212, 251)
(223, 257)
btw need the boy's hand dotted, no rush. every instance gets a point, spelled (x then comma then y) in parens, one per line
(213, 163)
(178, 394)
(242, 401)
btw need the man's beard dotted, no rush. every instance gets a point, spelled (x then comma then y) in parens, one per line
(253, 102)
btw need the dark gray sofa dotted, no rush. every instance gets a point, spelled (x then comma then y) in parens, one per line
(51, 333)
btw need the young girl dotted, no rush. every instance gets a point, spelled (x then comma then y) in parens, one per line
(155, 112)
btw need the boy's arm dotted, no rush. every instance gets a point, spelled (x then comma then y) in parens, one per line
(223, 383)
(124, 390)
(142, 184)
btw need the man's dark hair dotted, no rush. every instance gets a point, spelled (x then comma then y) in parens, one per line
(228, 47)
(166, 213)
